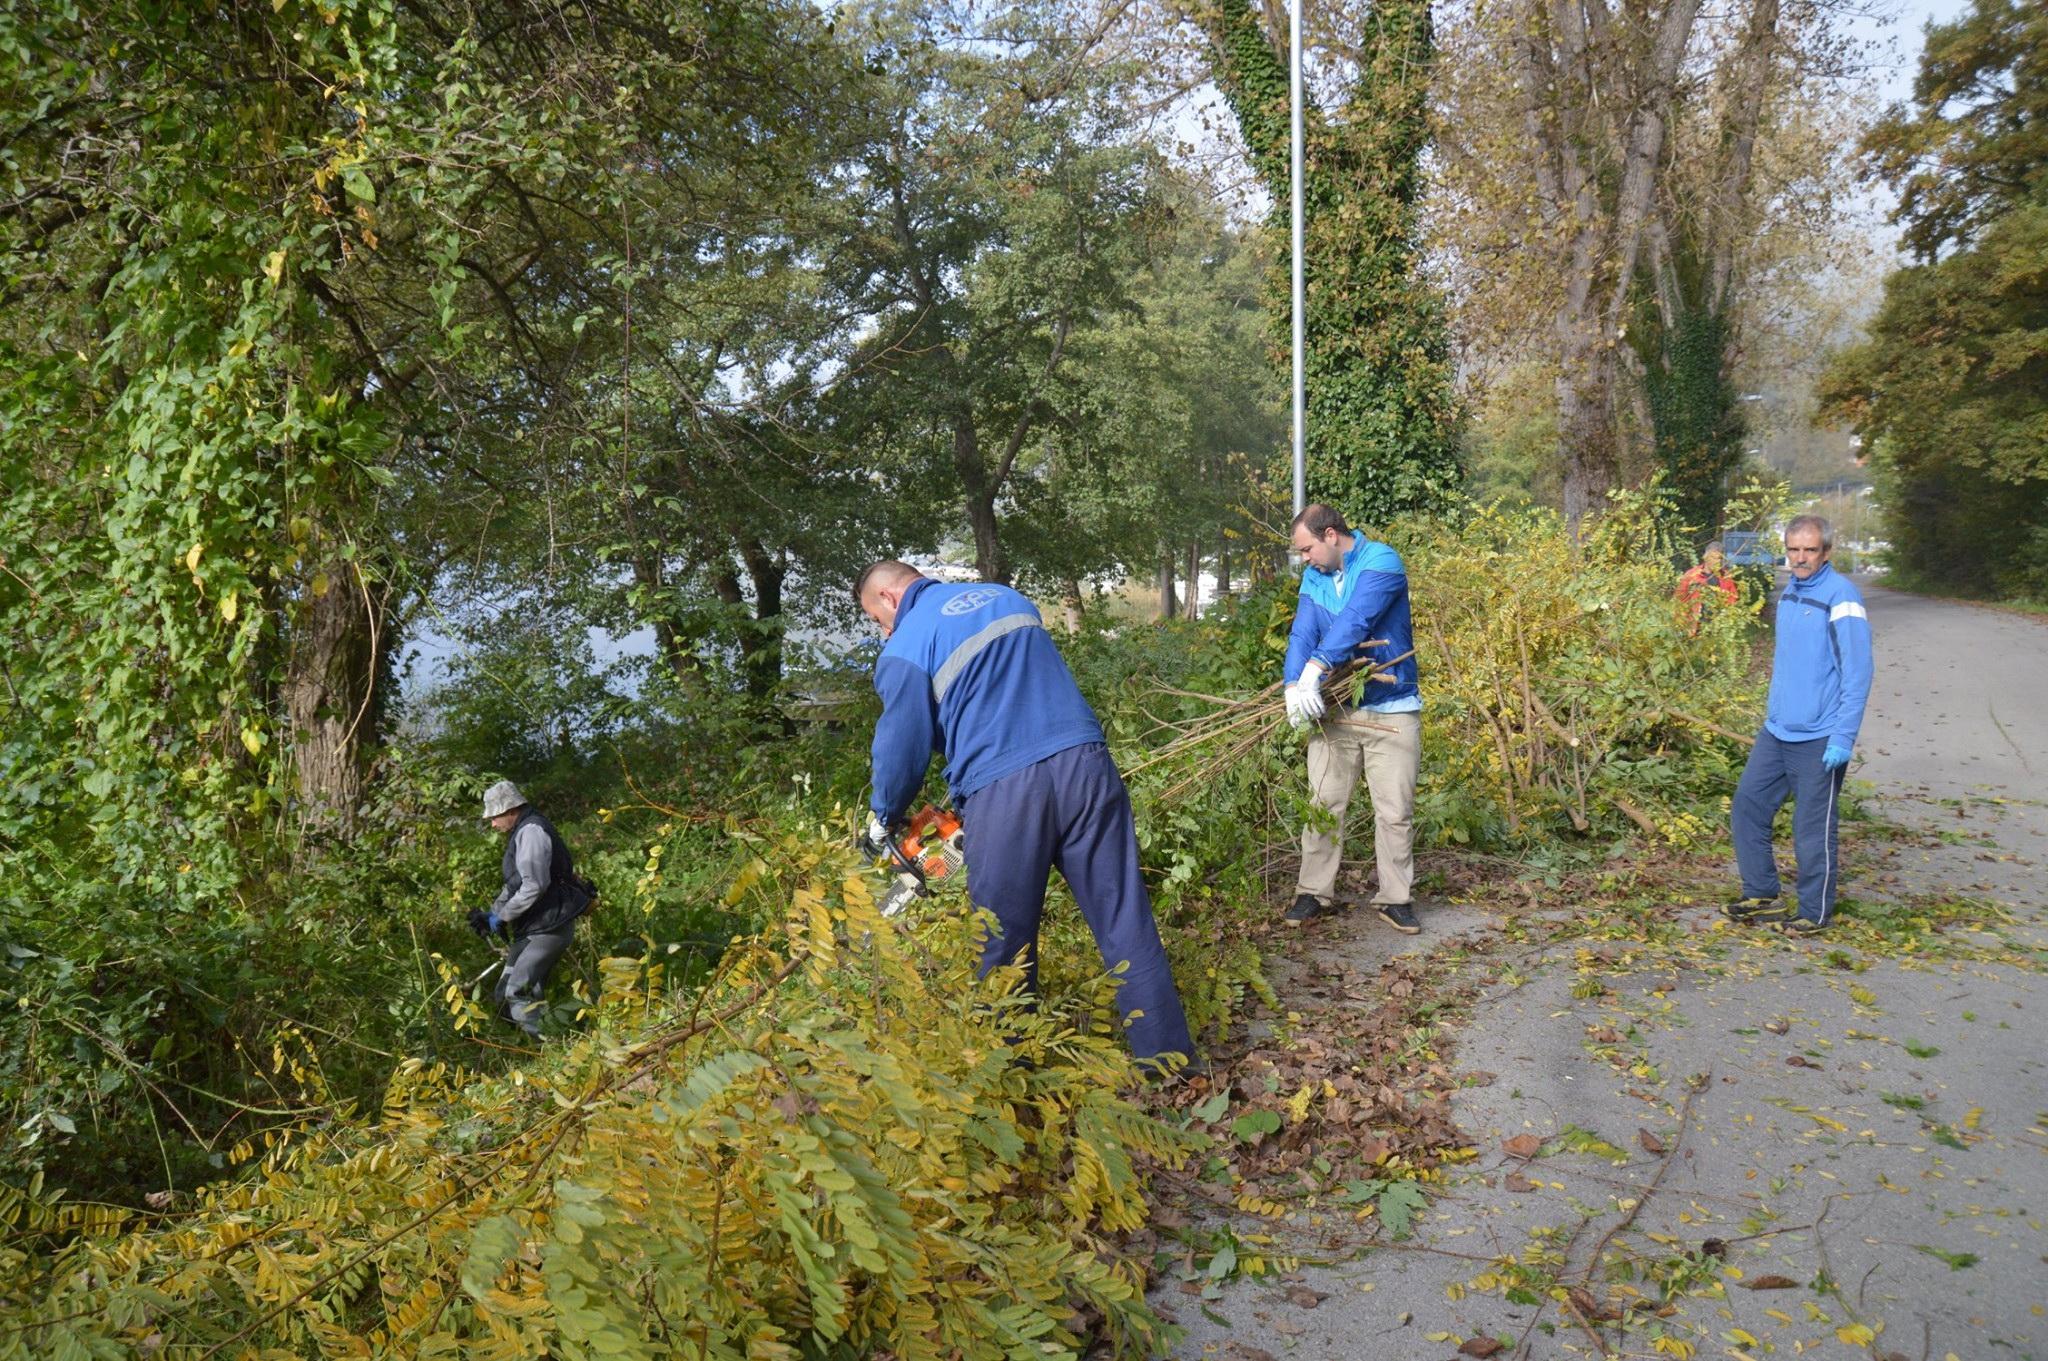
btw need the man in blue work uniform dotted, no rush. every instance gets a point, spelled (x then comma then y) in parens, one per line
(970, 672)
(1820, 680)
(1354, 591)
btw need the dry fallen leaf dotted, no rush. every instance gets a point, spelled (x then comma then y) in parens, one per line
(1522, 1146)
(1771, 1283)
(1800, 1061)
(1481, 1346)
(1516, 1182)
(1303, 1297)
(1777, 1027)
(1650, 1142)
(1583, 1301)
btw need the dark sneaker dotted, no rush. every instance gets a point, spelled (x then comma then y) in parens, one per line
(1759, 910)
(1400, 916)
(1802, 926)
(1306, 907)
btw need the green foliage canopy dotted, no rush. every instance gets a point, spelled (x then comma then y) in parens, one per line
(1951, 388)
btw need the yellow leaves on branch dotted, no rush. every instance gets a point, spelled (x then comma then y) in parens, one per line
(845, 1141)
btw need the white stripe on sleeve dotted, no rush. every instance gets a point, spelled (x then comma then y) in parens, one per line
(1848, 609)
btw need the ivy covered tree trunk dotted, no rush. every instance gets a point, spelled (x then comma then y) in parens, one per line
(1382, 409)
(330, 696)
(1696, 415)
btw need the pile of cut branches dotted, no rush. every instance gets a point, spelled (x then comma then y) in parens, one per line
(843, 1144)
(1228, 731)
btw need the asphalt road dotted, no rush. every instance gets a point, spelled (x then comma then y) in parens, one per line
(1958, 719)
(1870, 1129)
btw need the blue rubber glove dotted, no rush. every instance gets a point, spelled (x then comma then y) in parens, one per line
(1835, 757)
(497, 923)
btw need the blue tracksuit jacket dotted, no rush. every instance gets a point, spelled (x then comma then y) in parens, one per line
(970, 672)
(1820, 679)
(1332, 620)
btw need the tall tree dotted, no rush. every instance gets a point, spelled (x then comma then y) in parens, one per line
(1382, 410)
(1184, 409)
(1595, 88)
(1002, 211)
(272, 281)
(1619, 186)
(1951, 388)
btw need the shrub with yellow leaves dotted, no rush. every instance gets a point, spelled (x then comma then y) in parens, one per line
(845, 1143)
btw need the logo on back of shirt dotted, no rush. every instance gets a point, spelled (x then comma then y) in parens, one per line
(967, 602)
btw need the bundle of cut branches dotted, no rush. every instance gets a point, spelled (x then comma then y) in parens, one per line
(1215, 741)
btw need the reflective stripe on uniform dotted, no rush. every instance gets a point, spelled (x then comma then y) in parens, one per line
(950, 671)
(1848, 609)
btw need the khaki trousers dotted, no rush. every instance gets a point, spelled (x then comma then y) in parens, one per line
(1387, 750)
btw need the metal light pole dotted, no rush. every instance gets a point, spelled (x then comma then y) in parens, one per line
(1300, 329)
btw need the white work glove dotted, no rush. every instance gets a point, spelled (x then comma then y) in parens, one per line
(1296, 719)
(1310, 691)
(874, 841)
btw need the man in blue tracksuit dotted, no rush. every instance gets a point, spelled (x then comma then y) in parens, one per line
(1354, 591)
(970, 672)
(1820, 679)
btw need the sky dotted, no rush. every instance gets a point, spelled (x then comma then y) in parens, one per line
(1893, 68)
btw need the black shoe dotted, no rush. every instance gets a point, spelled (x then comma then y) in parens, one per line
(1305, 907)
(1400, 916)
(1802, 926)
(1748, 910)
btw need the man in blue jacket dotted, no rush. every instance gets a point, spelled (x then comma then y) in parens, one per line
(1820, 680)
(970, 672)
(1354, 592)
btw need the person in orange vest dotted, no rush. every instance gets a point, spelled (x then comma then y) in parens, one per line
(1699, 584)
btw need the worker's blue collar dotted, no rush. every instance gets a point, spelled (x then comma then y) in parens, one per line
(911, 593)
(1350, 556)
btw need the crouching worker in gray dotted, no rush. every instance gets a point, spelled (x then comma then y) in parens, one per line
(538, 906)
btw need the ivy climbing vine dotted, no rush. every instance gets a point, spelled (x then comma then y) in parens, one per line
(1382, 412)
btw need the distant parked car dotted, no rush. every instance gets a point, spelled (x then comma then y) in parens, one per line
(1753, 556)
(1749, 548)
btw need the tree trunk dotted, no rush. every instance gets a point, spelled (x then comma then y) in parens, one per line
(1585, 425)
(1168, 606)
(1071, 603)
(1223, 569)
(761, 646)
(989, 560)
(329, 689)
(1596, 131)
(760, 635)
(1194, 581)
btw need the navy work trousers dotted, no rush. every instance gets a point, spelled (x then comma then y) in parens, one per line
(1071, 811)
(1776, 770)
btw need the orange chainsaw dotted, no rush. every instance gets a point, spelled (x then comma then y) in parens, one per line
(932, 847)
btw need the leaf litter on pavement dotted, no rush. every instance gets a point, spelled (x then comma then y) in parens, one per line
(1336, 1121)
